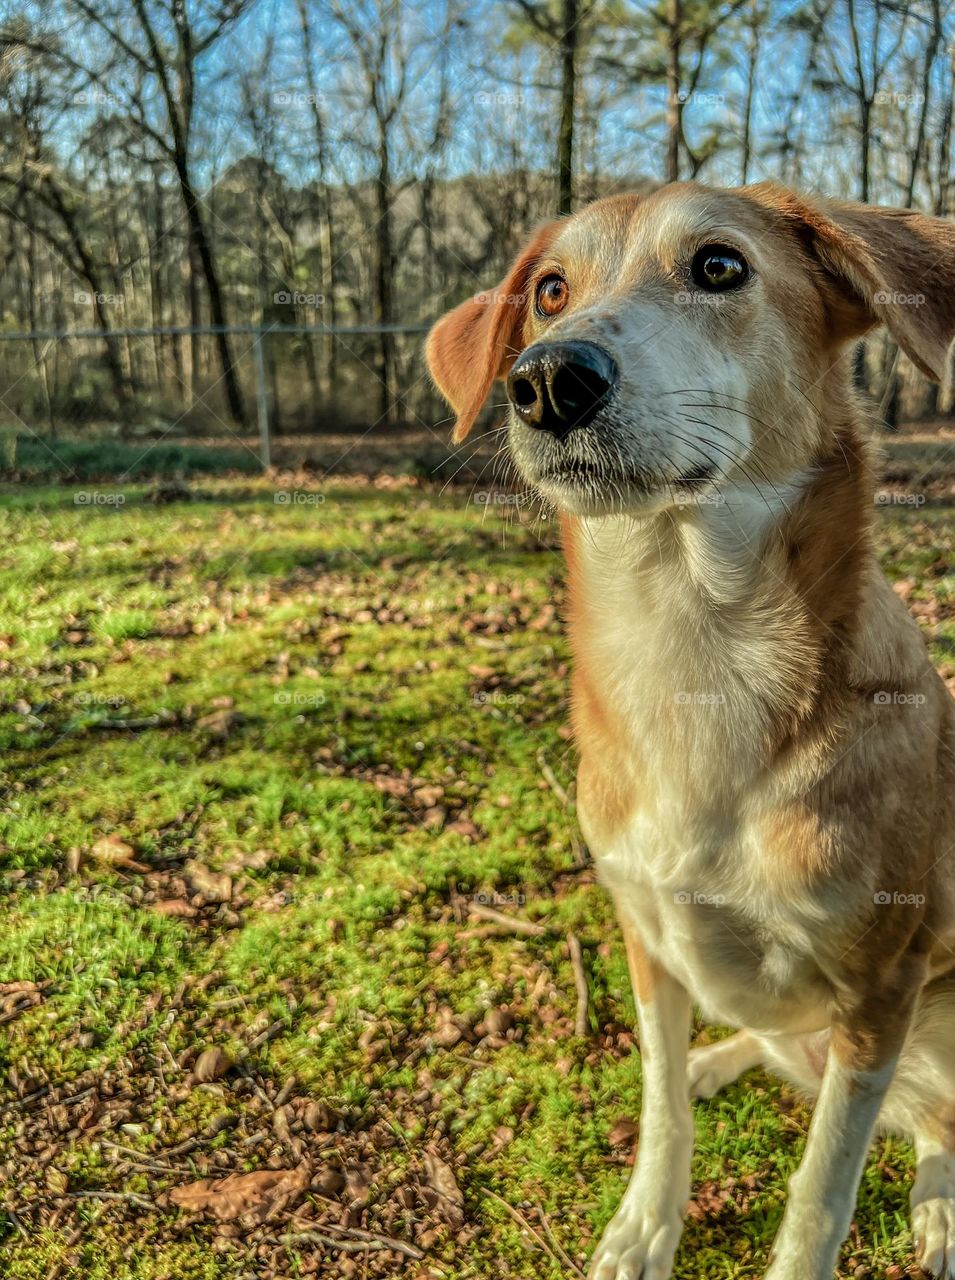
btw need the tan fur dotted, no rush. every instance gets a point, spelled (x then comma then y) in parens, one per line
(644, 971)
(767, 759)
(478, 341)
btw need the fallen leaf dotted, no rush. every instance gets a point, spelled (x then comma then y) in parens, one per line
(397, 787)
(358, 1185)
(498, 1021)
(319, 1117)
(442, 1180)
(257, 1196)
(214, 886)
(464, 827)
(220, 723)
(428, 796)
(623, 1131)
(175, 907)
(212, 1064)
(117, 852)
(329, 1182)
(710, 1201)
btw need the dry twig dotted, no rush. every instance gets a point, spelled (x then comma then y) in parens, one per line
(512, 923)
(581, 1026)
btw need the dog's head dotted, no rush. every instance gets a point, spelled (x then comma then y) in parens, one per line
(658, 347)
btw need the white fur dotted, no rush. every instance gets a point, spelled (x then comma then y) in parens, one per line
(822, 1192)
(642, 1237)
(933, 1207)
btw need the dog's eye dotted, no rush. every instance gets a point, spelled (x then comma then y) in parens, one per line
(717, 267)
(552, 295)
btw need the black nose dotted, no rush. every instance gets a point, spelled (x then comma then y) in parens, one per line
(557, 386)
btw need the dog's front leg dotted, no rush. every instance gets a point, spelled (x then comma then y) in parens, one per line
(642, 1237)
(863, 1055)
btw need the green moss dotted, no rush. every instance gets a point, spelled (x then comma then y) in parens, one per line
(378, 634)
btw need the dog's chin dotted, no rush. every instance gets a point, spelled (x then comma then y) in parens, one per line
(587, 477)
(580, 492)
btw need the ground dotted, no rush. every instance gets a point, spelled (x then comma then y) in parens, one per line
(270, 756)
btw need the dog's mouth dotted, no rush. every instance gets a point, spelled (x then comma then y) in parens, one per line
(573, 471)
(701, 474)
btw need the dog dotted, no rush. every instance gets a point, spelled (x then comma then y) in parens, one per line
(766, 754)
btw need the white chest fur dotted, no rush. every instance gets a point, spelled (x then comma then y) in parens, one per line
(695, 644)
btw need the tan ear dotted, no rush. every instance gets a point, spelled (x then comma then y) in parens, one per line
(889, 266)
(480, 340)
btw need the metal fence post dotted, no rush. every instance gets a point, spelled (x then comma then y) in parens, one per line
(262, 399)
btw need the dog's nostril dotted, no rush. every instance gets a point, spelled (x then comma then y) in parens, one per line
(523, 392)
(575, 387)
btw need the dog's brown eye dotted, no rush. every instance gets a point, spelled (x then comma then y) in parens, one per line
(552, 295)
(717, 267)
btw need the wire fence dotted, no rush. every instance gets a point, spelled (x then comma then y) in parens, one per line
(244, 384)
(205, 397)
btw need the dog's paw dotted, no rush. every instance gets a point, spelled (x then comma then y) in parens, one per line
(933, 1225)
(636, 1247)
(706, 1072)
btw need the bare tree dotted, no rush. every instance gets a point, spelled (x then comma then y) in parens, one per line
(153, 52)
(560, 26)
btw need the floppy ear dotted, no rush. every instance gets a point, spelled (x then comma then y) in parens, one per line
(480, 340)
(889, 266)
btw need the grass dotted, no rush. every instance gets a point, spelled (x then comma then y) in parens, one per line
(80, 461)
(341, 704)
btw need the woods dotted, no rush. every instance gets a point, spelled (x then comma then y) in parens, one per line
(169, 163)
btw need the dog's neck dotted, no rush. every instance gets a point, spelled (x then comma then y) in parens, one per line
(802, 537)
(730, 626)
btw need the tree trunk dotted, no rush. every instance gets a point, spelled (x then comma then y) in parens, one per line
(674, 110)
(865, 118)
(203, 249)
(384, 281)
(91, 274)
(569, 39)
(751, 71)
